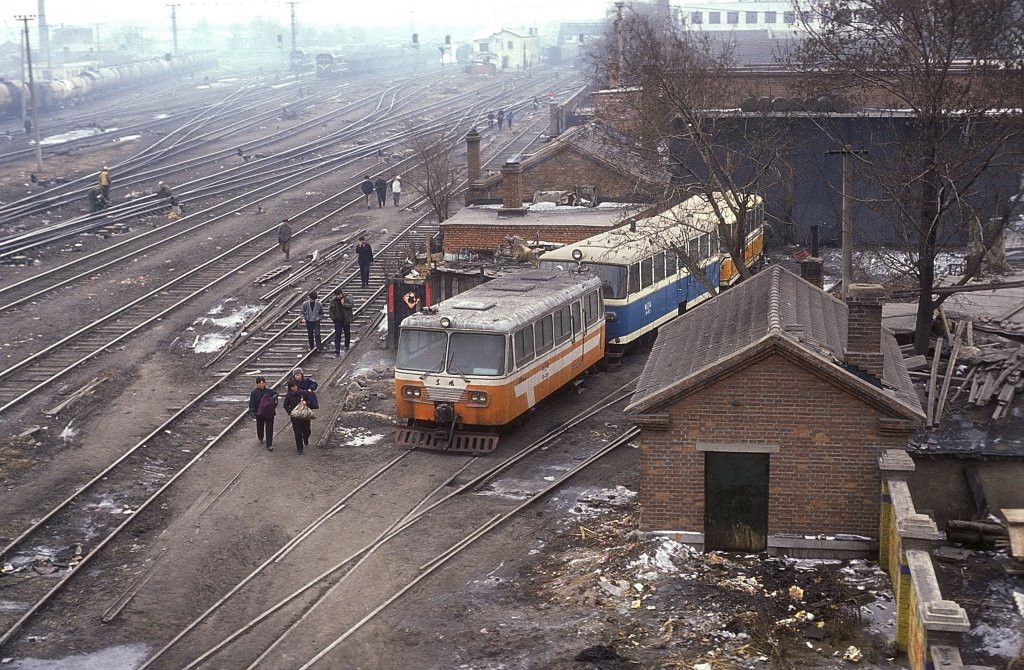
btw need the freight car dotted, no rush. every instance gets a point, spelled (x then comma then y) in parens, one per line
(484, 358)
(649, 271)
(61, 92)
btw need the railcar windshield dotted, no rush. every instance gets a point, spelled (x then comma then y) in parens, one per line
(421, 350)
(477, 354)
(613, 279)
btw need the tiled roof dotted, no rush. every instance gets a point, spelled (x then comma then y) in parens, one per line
(774, 305)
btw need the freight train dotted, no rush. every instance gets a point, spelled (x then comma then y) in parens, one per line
(61, 92)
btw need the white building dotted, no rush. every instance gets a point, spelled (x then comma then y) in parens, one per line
(509, 49)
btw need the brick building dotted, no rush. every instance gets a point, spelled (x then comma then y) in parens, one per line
(587, 165)
(763, 414)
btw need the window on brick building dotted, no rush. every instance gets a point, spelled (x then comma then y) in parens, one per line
(522, 345)
(509, 44)
(485, 48)
(659, 266)
(545, 334)
(714, 17)
(751, 17)
(697, 18)
(789, 18)
(770, 17)
(732, 17)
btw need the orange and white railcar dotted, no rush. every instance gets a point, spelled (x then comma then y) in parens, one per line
(486, 357)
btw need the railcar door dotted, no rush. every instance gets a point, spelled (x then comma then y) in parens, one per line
(735, 501)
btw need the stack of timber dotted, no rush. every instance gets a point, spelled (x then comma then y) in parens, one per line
(999, 378)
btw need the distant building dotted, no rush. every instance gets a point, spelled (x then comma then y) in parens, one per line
(777, 16)
(508, 49)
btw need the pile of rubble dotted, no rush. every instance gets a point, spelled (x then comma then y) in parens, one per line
(672, 604)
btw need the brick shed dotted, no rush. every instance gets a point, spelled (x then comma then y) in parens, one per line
(763, 414)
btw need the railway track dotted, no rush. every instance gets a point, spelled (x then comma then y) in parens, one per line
(451, 500)
(200, 423)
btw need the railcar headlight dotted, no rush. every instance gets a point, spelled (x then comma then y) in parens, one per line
(577, 254)
(446, 322)
(478, 397)
(411, 392)
(610, 316)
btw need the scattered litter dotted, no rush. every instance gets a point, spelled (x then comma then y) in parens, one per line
(853, 654)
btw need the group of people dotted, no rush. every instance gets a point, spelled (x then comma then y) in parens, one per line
(340, 313)
(380, 187)
(299, 402)
(502, 117)
(99, 195)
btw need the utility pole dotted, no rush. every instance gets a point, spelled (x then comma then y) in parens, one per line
(99, 50)
(32, 91)
(294, 45)
(846, 152)
(24, 99)
(44, 40)
(174, 26)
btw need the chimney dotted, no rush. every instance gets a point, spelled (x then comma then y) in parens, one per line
(512, 190)
(473, 155)
(812, 270)
(864, 328)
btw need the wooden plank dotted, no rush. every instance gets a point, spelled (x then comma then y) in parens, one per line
(957, 339)
(932, 379)
(964, 384)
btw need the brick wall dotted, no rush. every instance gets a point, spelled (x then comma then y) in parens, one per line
(476, 237)
(824, 479)
(563, 171)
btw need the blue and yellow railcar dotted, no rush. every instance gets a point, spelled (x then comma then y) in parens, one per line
(660, 266)
(486, 357)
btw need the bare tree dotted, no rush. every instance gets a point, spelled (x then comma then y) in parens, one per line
(440, 168)
(952, 165)
(673, 83)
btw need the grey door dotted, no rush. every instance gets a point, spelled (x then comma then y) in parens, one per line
(735, 501)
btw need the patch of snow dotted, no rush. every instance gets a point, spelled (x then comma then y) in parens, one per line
(1000, 641)
(209, 343)
(120, 656)
(68, 433)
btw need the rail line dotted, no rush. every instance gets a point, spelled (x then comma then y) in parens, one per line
(163, 456)
(330, 579)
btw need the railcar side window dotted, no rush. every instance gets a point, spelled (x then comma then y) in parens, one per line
(705, 245)
(659, 266)
(670, 264)
(577, 321)
(522, 345)
(563, 325)
(592, 308)
(545, 335)
(646, 272)
(694, 249)
(634, 278)
(421, 350)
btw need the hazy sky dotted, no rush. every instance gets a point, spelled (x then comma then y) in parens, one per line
(393, 13)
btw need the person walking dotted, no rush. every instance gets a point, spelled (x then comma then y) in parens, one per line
(364, 254)
(341, 314)
(104, 182)
(501, 118)
(312, 312)
(300, 426)
(96, 199)
(508, 119)
(367, 188)
(284, 237)
(490, 119)
(307, 384)
(396, 188)
(262, 407)
(380, 185)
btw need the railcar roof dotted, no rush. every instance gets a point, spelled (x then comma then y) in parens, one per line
(505, 303)
(693, 216)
